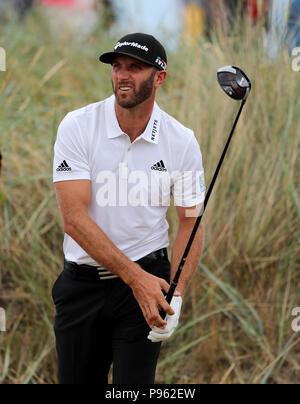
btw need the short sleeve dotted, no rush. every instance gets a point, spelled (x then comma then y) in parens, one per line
(70, 153)
(189, 182)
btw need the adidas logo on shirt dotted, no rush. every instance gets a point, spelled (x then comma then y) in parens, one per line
(64, 167)
(159, 166)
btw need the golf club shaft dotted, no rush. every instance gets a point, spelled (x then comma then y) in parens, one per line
(199, 218)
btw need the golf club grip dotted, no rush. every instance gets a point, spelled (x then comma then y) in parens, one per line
(169, 297)
(198, 221)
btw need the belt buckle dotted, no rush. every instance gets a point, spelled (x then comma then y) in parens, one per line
(105, 274)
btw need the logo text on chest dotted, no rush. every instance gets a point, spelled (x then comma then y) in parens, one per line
(154, 130)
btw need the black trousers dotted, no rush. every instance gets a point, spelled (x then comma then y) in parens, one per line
(98, 323)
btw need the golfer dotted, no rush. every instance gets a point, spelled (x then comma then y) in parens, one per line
(116, 164)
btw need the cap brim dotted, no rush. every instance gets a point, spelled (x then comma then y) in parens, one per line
(107, 57)
(110, 56)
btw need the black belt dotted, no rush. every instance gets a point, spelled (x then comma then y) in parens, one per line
(90, 272)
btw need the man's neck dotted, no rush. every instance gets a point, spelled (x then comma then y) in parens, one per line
(134, 121)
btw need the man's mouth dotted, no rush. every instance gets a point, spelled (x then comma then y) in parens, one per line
(124, 88)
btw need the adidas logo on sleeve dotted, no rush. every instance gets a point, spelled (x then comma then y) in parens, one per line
(159, 166)
(64, 167)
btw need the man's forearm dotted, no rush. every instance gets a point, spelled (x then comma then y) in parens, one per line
(180, 243)
(146, 288)
(98, 246)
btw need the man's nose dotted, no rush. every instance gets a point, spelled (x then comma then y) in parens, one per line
(123, 74)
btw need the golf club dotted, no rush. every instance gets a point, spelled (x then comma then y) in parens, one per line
(235, 83)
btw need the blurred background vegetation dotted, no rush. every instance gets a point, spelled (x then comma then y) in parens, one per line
(236, 321)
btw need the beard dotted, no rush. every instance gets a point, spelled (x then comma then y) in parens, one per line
(138, 96)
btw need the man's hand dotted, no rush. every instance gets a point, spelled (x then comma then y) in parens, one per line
(147, 290)
(158, 334)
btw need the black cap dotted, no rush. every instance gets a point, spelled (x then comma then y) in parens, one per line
(139, 46)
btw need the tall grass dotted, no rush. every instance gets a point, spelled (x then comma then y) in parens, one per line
(236, 321)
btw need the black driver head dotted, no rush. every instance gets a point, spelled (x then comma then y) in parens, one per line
(234, 82)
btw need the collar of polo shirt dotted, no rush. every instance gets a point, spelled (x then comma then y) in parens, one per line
(151, 133)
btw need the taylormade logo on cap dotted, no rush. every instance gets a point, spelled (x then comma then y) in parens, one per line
(143, 47)
(134, 44)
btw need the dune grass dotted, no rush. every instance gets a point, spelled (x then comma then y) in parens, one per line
(236, 321)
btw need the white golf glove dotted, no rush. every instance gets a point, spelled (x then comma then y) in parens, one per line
(157, 334)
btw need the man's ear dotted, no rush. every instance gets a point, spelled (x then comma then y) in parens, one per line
(160, 77)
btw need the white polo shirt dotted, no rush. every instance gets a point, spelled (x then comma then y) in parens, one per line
(131, 183)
